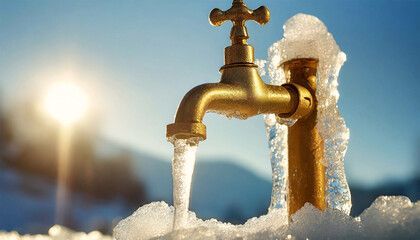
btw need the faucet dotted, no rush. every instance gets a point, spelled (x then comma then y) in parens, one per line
(241, 93)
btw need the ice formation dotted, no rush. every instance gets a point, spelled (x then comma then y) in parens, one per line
(182, 170)
(306, 36)
(277, 142)
(56, 233)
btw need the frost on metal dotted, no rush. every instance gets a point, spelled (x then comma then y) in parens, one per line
(306, 36)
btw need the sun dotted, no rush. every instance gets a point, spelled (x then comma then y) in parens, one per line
(66, 102)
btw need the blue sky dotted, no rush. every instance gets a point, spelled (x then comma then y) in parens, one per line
(138, 58)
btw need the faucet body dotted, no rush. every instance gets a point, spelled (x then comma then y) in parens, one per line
(241, 93)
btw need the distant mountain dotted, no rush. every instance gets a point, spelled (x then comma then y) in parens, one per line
(27, 205)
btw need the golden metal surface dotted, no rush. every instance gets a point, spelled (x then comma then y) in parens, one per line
(238, 14)
(306, 149)
(241, 92)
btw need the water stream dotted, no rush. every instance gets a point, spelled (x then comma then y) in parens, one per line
(183, 164)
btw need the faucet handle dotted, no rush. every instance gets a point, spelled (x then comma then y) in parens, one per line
(239, 13)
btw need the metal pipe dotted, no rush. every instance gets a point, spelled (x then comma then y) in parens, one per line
(307, 181)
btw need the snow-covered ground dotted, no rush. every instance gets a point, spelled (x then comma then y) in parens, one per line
(387, 218)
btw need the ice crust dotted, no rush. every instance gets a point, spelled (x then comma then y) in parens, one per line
(305, 36)
(387, 218)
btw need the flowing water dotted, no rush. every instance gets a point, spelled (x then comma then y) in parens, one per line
(182, 170)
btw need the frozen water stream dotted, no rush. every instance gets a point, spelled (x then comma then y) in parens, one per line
(182, 170)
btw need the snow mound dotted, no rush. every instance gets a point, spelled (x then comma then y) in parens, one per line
(394, 217)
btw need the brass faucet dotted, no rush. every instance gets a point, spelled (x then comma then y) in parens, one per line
(241, 93)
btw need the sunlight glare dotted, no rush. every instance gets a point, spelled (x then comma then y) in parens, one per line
(66, 102)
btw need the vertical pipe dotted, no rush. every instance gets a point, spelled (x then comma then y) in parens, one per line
(306, 149)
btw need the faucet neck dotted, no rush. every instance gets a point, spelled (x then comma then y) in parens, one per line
(239, 54)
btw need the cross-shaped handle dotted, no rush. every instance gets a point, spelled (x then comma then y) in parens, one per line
(238, 14)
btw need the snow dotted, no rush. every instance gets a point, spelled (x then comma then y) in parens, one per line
(393, 217)
(387, 218)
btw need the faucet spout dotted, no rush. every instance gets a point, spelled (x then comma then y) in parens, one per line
(199, 100)
(241, 93)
